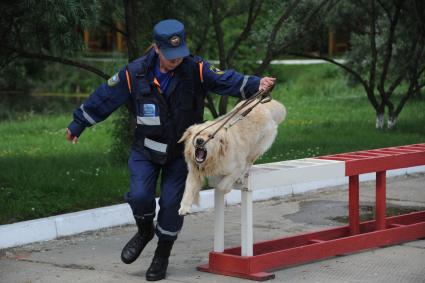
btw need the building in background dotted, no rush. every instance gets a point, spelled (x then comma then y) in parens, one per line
(112, 40)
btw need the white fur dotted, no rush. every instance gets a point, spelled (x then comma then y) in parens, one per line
(231, 152)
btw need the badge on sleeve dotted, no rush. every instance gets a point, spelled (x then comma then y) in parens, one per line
(216, 70)
(114, 80)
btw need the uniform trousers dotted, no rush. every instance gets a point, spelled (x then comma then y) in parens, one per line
(144, 176)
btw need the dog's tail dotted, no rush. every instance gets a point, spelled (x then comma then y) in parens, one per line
(277, 110)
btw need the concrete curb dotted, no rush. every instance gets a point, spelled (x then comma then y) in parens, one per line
(44, 229)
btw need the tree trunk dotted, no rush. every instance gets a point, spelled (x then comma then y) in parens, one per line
(417, 91)
(380, 113)
(379, 124)
(210, 105)
(222, 107)
(253, 12)
(125, 123)
(392, 120)
(131, 24)
(214, 4)
(216, 18)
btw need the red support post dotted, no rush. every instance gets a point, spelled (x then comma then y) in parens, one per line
(381, 209)
(353, 209)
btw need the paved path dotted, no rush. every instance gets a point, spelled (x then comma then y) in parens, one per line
(95, 256)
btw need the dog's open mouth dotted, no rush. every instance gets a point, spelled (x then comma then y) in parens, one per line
(200, 154)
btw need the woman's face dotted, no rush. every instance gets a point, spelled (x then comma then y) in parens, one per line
(165, 64)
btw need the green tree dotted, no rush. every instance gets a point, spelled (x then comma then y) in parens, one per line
(387, 51)
(263, 30)
(45, 30)
(237, 32)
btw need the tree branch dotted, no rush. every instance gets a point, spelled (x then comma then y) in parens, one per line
(210, 105)
(403, 100)
(203, 38)
(113, 27)
(404, 68)
(271, 41)
(346, 68)
(372, 41)
(131, 24)
(387, 12)
(374, 54)
(419, 7)
(8, 60)
(222, 108)
(389, 49)
(396, 83)
(218, 32)
(40, 56)
(270, 54)
(306, 26)
(252, 16)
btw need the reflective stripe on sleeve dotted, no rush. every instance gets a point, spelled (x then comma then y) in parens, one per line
(87, 116)
(149, 121)
(165, 232)
(242, 89)
(161, 147)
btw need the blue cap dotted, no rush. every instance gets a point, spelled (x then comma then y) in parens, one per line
(170, 38)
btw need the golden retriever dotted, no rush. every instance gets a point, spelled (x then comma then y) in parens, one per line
(231, 152)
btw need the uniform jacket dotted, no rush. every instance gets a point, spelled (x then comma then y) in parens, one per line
(161, 117)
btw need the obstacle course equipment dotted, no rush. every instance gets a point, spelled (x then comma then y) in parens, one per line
(254, 261)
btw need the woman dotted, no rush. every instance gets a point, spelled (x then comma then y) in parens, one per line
(167, 88)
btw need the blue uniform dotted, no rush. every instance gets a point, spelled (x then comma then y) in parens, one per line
(161, 120)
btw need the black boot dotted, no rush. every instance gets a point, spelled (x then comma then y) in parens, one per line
(159, 264)
(135, 246)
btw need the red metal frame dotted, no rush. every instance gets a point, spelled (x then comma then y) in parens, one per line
(383, 231)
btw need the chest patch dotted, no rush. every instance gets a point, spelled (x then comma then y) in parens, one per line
(149, 110)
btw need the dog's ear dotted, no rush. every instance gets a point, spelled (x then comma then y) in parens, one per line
(185, 135)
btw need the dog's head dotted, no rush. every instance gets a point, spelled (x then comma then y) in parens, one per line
(200, 146)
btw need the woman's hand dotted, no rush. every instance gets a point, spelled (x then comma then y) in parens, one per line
(70, 137)
(267, 84)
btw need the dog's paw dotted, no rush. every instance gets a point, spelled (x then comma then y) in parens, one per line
(184, 210)
(239, 181)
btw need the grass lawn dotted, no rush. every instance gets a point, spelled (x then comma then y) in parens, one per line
(325, 116)
(41, 174)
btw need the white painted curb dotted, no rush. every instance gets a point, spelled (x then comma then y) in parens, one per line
(44, 229)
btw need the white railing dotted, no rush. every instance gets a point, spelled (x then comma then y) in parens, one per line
(268, 176)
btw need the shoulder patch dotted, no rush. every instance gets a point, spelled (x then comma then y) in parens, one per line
(114, 80)
(216, 70)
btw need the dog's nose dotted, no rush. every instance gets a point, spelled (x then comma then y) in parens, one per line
(199, 141)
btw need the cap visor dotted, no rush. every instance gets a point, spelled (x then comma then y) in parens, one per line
(175, 52)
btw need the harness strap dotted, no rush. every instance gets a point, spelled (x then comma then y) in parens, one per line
(264, 98)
